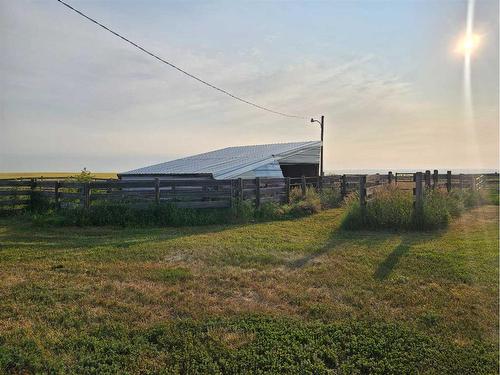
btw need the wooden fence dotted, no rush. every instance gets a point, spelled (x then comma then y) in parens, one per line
(20, 193)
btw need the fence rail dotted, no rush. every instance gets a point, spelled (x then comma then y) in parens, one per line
(17, 194)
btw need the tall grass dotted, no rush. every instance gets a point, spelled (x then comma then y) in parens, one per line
(127, 215)
(494, 197)
(330, 198)
(303, 204)
(393, 208)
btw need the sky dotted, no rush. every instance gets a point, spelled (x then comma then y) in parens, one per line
(385, 74)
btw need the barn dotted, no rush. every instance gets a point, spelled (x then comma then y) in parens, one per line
(294, 159)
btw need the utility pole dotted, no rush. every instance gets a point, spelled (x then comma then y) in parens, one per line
(322, 125)
(322, 132)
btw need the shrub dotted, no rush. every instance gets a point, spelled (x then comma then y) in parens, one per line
(303, 205)
(392, 208)
(455, 203)
(434, 212)
(296, 195)
(84, 176)
(473, 198)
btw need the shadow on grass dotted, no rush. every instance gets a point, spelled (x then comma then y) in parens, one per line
(387, 266)
(337, 238)
(408, 241)
(19, 233)
(374, 239)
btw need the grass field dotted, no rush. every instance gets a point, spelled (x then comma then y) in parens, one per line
(5, 175)
(298, 296)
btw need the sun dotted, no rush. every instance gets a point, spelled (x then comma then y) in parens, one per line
(468, 44)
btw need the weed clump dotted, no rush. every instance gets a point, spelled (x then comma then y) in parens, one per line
(303, 204)
(171, 275)
(393, 208)
(330, 198)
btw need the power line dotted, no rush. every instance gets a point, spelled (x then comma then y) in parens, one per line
(176, 67)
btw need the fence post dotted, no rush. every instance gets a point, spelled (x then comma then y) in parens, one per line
(204, 190)
(303, 185)
(461, 180)
(362, 192)
(435, 179)
(287, 189)
(418, 191)
(86, 195)
(319, 184)
(473, 182)
(231, 193)
(174, 190)
(240, 189)
(427, 178)
(389, 177)
(257, 192)
(32, 187)
(157, 191)
(56, 194)
(448, 181)
(343, 186)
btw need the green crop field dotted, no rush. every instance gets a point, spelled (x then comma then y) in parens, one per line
(296, 296)
(5, 175)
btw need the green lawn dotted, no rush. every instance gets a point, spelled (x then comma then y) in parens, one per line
(299, 296)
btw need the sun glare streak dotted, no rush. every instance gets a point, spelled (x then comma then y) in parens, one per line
(469, 113)
(467, 46)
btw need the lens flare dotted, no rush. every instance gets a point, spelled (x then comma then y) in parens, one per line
(468, 44)
(466, 47)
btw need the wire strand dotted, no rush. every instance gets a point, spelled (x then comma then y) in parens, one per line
(176, 67)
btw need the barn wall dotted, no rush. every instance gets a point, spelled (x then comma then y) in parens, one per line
(299, 170)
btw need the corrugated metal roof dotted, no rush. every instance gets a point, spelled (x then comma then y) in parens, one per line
(227, 162)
